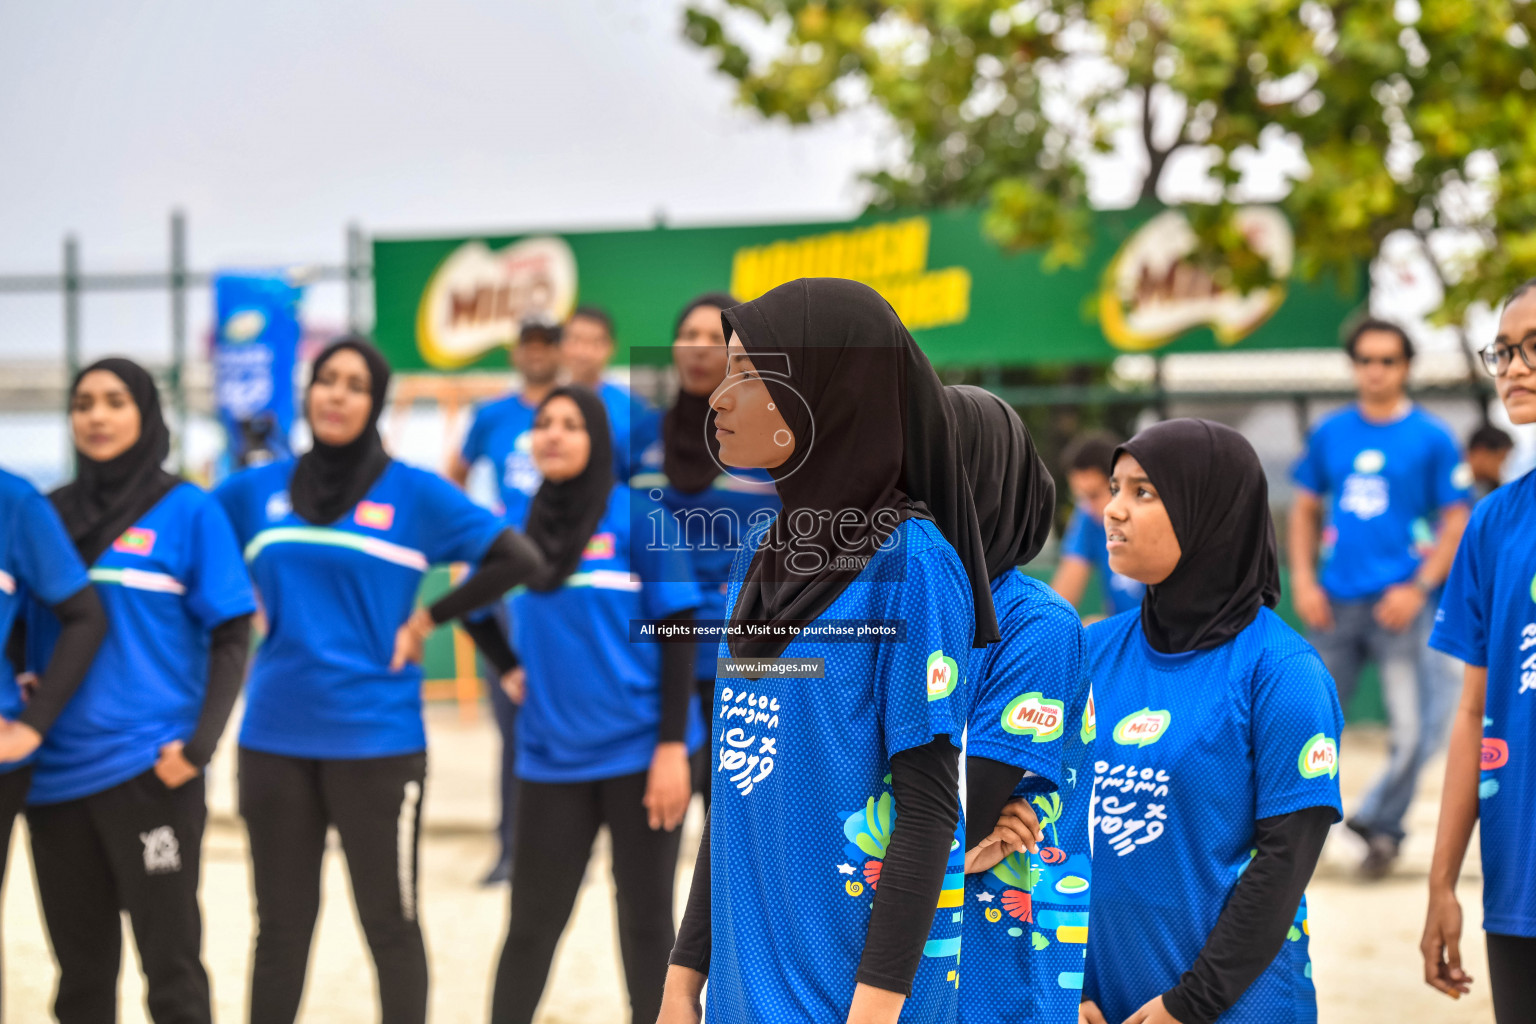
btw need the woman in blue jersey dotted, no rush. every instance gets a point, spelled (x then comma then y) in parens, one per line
(832, 832)
(37, 562)
(117, 805)
(1488, 619)
(714, 507)
(337, 543)
(1025, 736)
(607, 722)
(1215, 776)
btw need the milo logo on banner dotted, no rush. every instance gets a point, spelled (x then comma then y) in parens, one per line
(1033, 715)
(1319, 756)
(943, 674)
(1139, 728)
(477, 297)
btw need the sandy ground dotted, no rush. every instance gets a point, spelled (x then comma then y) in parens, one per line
(1364, 936)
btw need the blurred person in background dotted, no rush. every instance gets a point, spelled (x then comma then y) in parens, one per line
(1082, 547)
(585, 351)
(338, 542)
(1396, 495)
(38, 562)
(714, 507)
(117, 806)
(608, 720)
(1487, 450)
(1487, 620)
(501, 433)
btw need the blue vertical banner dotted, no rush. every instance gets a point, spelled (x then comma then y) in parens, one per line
(256, 339)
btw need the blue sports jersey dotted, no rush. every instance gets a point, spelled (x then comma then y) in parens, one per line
(1026, 919)
(1487, 618)
(37, 560)
(802, 810)
(636, 429)
(320, 684)
(713, 523)
(593, 704)
(165, 583)
(1086, 539)
(1194, 749)
(1386, 484)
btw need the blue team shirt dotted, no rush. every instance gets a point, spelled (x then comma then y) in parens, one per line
(502, 434)
(713, 523)
(802, 811)
(1386, 484)
(37, 560)
(165, 583)
(320, 685)
(1026, 920)
(1086, 538)
(1190, 750)
(593, 704)
(1487, 618)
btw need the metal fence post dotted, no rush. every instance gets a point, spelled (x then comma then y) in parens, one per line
(354, 279)
(179, 332)
(71, 283)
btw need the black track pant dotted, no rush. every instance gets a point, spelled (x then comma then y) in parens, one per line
(375, 803)
(13, 793)
(556, 824)
(135, 847)
(1512, 974)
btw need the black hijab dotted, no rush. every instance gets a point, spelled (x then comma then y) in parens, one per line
(330, 479)
(873, 434)
(690, 450)
(106, 498)
(1015, 495)
(563, 515)
(1213, 487)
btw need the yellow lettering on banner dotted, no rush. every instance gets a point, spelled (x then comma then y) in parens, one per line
(890, 257)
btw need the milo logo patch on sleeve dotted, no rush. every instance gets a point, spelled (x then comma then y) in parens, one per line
(943, 675)
(1319, 756)
(1035, 716)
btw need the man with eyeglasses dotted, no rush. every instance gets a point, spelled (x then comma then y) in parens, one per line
(1397, 495)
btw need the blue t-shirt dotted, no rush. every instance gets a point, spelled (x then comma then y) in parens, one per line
(1026, 919)
(1086, 539)
(802, 810)
(713, 523)
(1386, 484)
(37, 560)
(1194, 748)
(502, 433)
(165, 583)
(1487, 618)
(593, 704)
(320, 685)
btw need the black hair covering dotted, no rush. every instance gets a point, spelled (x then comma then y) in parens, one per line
(106, 498)
(330, 479)
(873, 435)
(690, 450)
(1014, 493)
(1213, 487)
(563, 515)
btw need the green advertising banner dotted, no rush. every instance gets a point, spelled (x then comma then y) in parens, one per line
(446, 304)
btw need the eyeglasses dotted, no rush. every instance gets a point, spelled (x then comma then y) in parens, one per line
(1386, 361)
(1497, 357)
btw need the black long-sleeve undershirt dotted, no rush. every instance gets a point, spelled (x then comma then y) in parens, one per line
(988, 786)
(510, 560)
(1253, 925)
(229, 647)
(490, 639)
(677, 680)
(83, 625)
(924, 782)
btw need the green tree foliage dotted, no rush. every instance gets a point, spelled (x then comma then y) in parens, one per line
(1415, 116)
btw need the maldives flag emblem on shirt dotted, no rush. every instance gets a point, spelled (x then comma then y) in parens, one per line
(135, 541)
(374, 515)
(600, 545)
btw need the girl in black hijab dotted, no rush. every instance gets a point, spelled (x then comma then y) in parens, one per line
(337, 543)
(791, 915)
(116, 808)
(605, 731)
(1231, 724)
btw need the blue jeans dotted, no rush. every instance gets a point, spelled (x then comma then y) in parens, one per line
(1418, 687)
